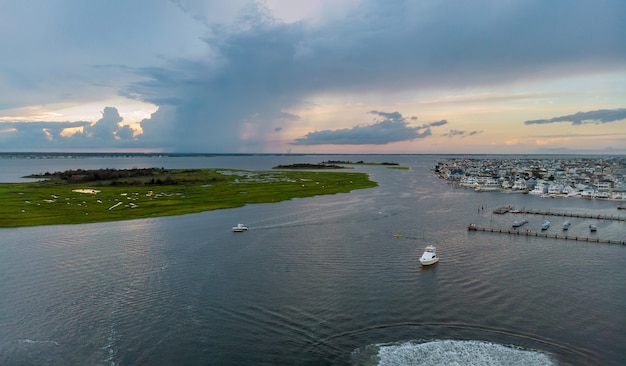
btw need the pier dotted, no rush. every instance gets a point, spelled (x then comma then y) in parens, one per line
(572, 214)
(474, 227)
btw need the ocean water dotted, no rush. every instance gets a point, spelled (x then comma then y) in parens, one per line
(315, 281)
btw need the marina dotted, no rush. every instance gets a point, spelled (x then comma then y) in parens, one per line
(474, 227)
(582, 215)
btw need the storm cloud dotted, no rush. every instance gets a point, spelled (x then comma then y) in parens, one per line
(266, 66)
(231, 76)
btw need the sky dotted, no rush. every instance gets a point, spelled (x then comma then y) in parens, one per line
(314, 76)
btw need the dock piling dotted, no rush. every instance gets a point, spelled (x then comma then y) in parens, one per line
(474, 227)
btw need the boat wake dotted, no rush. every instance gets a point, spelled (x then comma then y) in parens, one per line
(31, 341)
(448, 352)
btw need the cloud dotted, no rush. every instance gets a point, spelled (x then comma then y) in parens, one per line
(107, 132)
(35, 135)
(392, 128)
(435, 124)
(214, 69)
(261, 66)
(461, 133)
(580, 118)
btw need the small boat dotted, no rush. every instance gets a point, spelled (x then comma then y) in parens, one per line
(239, 228)
(502, 210)
(545, 225)
(566, 225)
(429, 256)
(593, 228)
(519, 223)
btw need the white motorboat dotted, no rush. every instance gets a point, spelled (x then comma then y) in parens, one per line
(239, 228)
(519, 223)
(545, 225)
(593, 228)
(429, 256)
(566, 225)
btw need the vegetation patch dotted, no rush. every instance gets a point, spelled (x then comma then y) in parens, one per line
(360, 162)
(84, 196)
(310, 166)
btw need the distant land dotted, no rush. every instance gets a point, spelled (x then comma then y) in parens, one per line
(68, 155)
(330, 164)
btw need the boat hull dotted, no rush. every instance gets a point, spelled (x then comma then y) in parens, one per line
(429, 262)
(429, 256)
(239, 228)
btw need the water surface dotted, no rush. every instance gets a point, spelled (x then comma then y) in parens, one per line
(315, 281)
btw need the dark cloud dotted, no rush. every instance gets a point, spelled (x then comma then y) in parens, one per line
(34, 135)
(207, 104)
(211, 87)
(104, 133)
(265, 66)
(393, 116)
(105, 129)
(461, 133)
(392, 128)
(436, 124)
(580, 118)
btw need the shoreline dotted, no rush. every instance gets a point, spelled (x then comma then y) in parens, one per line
(510, 191)
(546, 177)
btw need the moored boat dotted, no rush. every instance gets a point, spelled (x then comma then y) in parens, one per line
(239, 228)
(566, 225)
(502, 210)
(593, 228)
(545, 225)
(429, 256)
(519, 223)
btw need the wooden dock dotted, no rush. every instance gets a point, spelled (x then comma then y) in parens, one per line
(474, 227)
(573, 214)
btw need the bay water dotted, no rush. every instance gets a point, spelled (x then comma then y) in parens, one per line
(327, 280)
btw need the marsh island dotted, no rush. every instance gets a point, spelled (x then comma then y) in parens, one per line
(84, 196)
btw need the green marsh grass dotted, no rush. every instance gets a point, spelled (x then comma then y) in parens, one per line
(53, 202)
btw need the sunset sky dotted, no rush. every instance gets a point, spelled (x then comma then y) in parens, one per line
(313, 76)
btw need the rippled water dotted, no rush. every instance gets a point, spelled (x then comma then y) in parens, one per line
(318, 281)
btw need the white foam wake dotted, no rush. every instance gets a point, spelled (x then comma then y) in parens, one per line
(466, 353)
(37, 342)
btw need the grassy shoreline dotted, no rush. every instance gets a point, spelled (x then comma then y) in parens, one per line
(177, 192)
